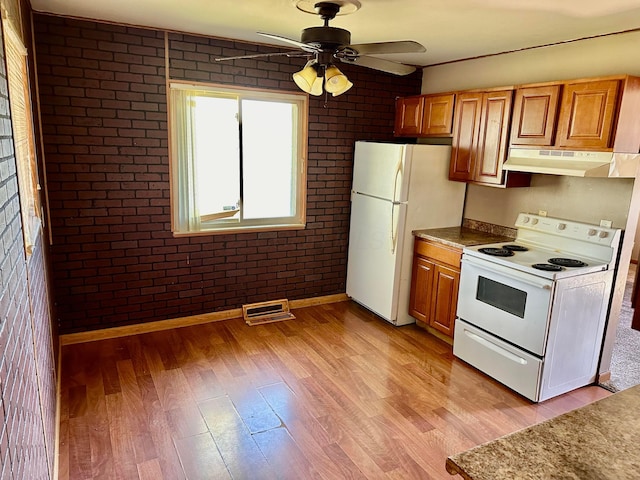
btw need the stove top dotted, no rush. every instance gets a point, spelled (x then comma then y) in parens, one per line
(553, 248)
(539, 261)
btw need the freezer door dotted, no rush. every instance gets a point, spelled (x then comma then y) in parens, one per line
(379, 170)
(375, 240)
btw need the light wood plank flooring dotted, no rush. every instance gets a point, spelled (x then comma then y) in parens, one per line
(336, 393)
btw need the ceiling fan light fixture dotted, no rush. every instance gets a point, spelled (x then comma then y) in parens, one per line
(336, 82)
(308, 80)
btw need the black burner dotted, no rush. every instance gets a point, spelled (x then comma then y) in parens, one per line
(567, 262)
(496, 252)
(547, 267)
(516, 248)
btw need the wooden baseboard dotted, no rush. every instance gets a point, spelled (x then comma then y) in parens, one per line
(56, 447)
(115, 332)
(604, 377)
(310, 302)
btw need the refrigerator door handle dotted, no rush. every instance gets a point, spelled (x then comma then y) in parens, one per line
(394, 227)
(395, 180)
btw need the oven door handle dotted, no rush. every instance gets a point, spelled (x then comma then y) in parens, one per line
(496, 348)
(507, 272)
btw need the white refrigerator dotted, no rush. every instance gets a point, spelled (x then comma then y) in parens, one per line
(396, 189)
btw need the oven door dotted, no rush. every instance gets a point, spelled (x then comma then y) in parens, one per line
(508, 303)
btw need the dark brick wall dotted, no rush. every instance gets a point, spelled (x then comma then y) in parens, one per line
(27, 377)
(115, 261)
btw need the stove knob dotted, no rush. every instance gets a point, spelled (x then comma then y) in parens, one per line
(591, 232)
(534, 221)
(603, 234)
(525, 220)
(562, 226)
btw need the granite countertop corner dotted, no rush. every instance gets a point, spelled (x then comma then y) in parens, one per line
(470, 233)
(598, 441)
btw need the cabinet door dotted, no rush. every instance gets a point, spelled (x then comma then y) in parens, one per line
(421, 288)
(494, 131)
(466, 124)
(534, 115)
(587, 114)
(438, 114)
(409, 116)
(445, 299)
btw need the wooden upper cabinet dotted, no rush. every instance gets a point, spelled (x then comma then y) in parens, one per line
(437, 116)
(535, 111)
(480, 139)
(466, 125)
(587, 114)
(424, 115)
(493, 136)
(409, 116)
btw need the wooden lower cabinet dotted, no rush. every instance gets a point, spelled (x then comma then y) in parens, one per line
(421, 289)
(434, 285)
(446, 281)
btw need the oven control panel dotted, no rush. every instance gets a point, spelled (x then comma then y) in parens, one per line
(586, 232)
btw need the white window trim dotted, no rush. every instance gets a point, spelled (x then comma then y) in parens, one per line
(200, 226)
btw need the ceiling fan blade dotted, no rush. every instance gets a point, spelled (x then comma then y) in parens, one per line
(304, 46)
(380, 64)
(292, 53)
(405, 46)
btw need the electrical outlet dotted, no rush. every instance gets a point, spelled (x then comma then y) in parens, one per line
(542, 213)
(606, 223)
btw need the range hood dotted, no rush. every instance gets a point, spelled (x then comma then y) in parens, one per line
(573, 163)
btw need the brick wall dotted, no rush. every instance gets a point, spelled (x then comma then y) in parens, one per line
(43, 345)
(27, 381)
(115, 261)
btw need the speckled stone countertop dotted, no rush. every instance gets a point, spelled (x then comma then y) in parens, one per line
(599, 441)
(460, 237)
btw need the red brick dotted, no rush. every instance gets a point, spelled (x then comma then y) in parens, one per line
(126, 139)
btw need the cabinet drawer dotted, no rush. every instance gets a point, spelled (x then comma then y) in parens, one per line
(442, 253)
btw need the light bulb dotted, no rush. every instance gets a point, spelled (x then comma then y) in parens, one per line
(336, 82)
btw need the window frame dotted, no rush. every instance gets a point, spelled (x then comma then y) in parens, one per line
(297, 222)
(22, 132)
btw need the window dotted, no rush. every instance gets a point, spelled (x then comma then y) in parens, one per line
(22, 125)
(237, 159)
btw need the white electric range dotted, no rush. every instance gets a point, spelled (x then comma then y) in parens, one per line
(531, 313)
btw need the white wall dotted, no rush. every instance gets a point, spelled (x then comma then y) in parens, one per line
(581, 199)
(612, 55)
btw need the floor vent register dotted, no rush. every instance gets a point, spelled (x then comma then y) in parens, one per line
(267, 312)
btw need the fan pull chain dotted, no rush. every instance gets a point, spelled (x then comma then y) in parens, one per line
(326, 94)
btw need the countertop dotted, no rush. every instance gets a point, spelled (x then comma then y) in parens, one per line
(596, 442)
(460, 237)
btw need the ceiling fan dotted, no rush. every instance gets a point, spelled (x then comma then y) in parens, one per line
(327, 44)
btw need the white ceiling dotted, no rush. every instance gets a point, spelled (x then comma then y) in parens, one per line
(449, 29)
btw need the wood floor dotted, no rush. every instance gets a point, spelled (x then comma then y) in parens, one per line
(336, 393)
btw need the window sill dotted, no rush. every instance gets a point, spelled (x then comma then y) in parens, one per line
(247, 229)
